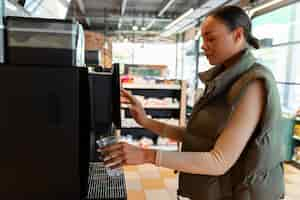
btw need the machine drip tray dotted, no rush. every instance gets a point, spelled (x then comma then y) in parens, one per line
(105, 187)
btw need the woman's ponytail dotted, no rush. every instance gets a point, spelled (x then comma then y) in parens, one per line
(234, 17)
(254, 42)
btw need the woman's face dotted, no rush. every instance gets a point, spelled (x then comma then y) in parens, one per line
(219, 43)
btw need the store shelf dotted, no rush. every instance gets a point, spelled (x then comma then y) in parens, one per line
(138, 133)
(296, 137)
(175, 106)
(151, 86)
(130, 123)
(161, 101)
(295, 163)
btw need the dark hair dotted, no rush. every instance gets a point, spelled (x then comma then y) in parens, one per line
(234, 17)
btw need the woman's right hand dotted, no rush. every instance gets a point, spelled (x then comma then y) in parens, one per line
(136, 109)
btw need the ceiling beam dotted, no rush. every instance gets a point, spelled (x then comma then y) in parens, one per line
(130, 18)
(137, 13)
(81, 6)
(131, 32)
(123, 9)
(181, 23)
(163, 8)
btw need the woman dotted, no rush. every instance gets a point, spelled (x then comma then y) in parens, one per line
(231, 144)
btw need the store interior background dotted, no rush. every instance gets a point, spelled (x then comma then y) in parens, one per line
(136, 34)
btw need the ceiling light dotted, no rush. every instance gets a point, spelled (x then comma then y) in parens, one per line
(189, 26)
(179, 29)
(151, 24)
(11, 6)
(263, 6)
(135, 28)
(180, 18)
(143, 28)
(193, 15)
(120, 23)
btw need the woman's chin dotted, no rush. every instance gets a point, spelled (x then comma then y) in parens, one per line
(211, 62)
(214, 61)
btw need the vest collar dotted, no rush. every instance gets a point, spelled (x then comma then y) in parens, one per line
(215, 74)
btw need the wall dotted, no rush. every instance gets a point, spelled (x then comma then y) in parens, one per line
(94, 41)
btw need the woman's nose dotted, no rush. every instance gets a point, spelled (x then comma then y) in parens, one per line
(204, 47)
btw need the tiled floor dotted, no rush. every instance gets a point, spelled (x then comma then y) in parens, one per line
(292, 182)
(147, 182)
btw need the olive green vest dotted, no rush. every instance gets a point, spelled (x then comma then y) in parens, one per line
(258, 173)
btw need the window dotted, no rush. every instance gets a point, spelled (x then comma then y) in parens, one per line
(282, 26)
(146, 53)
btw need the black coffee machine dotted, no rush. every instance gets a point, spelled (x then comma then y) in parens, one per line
(50, 114)
(105, 105)
(45, 124)
(105, 120)
(50, 119)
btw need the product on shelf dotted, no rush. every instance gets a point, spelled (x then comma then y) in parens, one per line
(155, 102)
(130, 123)
(165, 141)
(142, 80)
(297, 130)
(297, 154)
(163, 100)
(143, 142)
(298, 113)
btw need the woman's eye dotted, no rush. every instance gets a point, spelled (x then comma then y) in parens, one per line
(211, 39)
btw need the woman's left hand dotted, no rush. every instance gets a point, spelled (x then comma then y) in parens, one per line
(122, 153)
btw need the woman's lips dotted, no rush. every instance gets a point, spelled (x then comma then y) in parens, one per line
(208, 55)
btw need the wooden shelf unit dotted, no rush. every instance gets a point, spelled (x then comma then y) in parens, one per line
(175, 111)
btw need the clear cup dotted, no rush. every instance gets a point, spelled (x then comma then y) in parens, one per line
(105, 141)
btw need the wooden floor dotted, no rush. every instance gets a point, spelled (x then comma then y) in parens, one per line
(147, 182)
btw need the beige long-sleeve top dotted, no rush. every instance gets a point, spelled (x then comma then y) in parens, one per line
(230, 143)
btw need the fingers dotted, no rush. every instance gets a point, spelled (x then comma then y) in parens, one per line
(124, 100)
(111, 148)
(126, 94)
(122, 154)
(118, 165)
(115, 160)
(112, 155)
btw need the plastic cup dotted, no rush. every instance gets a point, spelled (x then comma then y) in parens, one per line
(106, 141)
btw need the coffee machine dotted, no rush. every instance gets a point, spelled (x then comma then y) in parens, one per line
(105, 121)
(45, 124)
(51, 112)
(105, 105)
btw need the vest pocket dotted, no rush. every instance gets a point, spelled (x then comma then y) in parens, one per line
(202, 187)
(267, 185)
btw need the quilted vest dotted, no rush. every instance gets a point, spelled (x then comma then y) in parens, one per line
(258, 173)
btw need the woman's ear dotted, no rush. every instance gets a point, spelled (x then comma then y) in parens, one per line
(238, 34)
